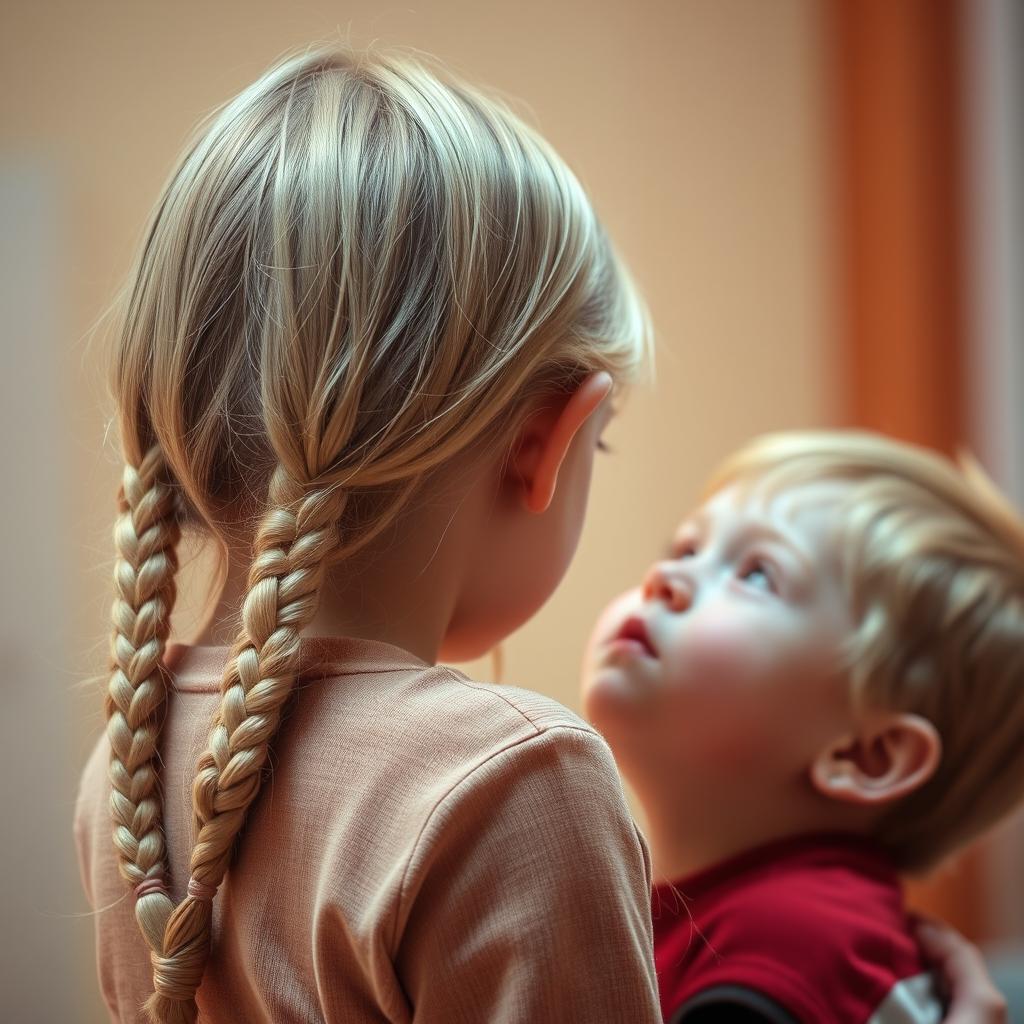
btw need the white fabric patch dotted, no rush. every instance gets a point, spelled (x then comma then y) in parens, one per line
(910, 1001)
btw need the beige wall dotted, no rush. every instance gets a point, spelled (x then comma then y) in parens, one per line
(696, 127)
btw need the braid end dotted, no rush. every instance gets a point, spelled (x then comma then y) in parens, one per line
(161, 1010)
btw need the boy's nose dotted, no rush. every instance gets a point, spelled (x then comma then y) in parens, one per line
(665, 583)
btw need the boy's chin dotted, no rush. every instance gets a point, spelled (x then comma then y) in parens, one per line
(611, 702)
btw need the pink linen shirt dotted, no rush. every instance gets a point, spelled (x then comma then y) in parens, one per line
(425, 849)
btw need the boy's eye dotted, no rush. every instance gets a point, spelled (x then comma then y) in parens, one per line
(757, 574)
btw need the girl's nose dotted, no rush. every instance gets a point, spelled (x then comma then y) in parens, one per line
(667, 584)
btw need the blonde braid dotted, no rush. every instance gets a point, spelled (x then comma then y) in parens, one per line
(298, 534)
(146, 536)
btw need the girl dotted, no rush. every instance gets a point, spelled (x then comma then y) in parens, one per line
(368, 349)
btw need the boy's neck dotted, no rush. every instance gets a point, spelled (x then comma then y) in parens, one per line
(686, 839)
(675, 857)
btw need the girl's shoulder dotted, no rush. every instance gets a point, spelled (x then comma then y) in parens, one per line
(451, 739)
(458, 721)
(516, 702)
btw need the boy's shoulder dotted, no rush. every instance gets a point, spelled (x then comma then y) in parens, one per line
(816, 924)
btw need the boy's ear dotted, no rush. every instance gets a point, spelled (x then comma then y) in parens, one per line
(890, 758)
(543, 441)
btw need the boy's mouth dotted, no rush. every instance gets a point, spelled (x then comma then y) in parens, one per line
(634, 631)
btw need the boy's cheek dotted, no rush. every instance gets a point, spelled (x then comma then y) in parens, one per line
(718, 697)
(717, 731)
(716, 653)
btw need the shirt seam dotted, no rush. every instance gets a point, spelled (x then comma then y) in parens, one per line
(441, 800)
(313, 678)
(472, 684)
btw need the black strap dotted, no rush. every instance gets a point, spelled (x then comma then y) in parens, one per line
(731, 1004)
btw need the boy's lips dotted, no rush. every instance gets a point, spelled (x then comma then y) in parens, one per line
(634, 631)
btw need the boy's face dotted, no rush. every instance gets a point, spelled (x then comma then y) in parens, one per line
(725, 660)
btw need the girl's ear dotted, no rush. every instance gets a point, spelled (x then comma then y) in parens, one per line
(889, 759)
(543, 441)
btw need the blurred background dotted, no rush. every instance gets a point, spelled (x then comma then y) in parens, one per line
(821, 199)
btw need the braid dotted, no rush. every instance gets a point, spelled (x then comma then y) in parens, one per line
(146, 535)
(298, 533)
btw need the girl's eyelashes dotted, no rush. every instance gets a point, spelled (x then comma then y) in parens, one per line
(602, 446)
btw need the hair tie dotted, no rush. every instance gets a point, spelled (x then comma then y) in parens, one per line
(151, 883)
(200, 890)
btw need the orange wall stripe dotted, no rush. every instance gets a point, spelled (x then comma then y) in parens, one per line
(898, 130)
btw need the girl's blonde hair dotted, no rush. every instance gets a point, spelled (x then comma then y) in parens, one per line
(933, 564)
(360, 269)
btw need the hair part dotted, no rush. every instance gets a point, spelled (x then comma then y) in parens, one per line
(360, 270)
(932, 559)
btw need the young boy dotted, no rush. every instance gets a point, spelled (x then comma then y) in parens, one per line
(820, 685)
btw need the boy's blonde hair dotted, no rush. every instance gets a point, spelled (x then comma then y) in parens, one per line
(933, 564)
(361, 269)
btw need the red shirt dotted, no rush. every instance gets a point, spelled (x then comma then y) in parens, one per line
(814, 923)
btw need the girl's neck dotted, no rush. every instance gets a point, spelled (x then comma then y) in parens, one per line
(400, 590)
